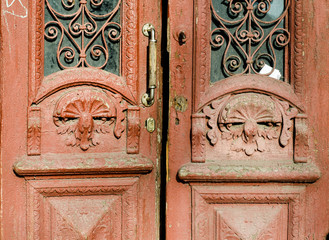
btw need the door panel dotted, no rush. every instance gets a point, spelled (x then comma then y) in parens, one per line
(253, 136)
(82, 164)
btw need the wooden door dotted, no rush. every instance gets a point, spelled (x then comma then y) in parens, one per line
(247, 146)
(77, 159)
(246, 149)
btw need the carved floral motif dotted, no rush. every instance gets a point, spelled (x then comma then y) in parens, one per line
(248, 119)
(34, 131)
(84, 114)
(198, 137)
(133, 130)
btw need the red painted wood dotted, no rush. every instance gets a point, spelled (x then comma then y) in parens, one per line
(76, 159)
(223, 188)
(108, 189)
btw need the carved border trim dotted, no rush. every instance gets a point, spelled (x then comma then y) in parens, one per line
(204, 202)
(202, 53)
(36, 26)
(297, 51)
(129, 46)
(37, 190)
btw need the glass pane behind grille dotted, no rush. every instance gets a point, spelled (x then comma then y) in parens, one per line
(82, 33)
(246, 35)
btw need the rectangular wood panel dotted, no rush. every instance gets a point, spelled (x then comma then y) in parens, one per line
(247, 212)
(83, 209)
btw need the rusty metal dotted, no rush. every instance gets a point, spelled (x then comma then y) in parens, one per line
(149, 31)
(180, 36)
(245, 31)
(180, 103)
(86, 31)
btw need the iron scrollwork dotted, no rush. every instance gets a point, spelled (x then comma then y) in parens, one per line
(249, 34)
(83, 33)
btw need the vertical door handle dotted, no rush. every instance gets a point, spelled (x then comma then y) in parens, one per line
(148, 97)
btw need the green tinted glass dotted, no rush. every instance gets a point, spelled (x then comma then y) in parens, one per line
(82, 33)
(246, 36)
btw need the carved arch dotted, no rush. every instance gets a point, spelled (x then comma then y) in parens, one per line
(251, 83)
(83, 76)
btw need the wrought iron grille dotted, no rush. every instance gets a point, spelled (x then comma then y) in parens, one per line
(247, 35)
(82, 33)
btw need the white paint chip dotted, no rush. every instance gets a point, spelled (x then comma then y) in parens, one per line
(267, 69)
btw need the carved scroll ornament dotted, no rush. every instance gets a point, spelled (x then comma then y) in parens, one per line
(83, 114)
(248, 119)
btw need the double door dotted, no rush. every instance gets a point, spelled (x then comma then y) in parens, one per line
(126, 119)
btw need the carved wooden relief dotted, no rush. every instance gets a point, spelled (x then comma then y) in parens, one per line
(247, 213)
(81, 115)
(198, 137)
(253, 221)
(34, 131)
(83, 209)
(133, 130)
(301, 139)
(248, 120)
(256, 130)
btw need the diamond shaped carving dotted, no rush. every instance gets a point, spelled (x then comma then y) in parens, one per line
(83, 209)
(252, 221)
(83, 214)
(247, 212)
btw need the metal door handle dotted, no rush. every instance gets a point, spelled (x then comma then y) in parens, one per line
(148, 97)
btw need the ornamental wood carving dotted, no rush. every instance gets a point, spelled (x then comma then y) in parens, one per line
(80, 209)
(133, 130)
(248, 222)
(247, 120)
(198, 137)
(247, 213)
(302, 147)
(34, 131)
(83, 114)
